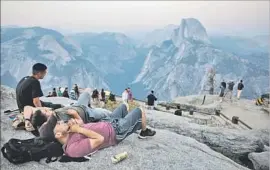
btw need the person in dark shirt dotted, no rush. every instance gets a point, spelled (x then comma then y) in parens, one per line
(54, 94)
(76, 89)
(65, 93)
(223, 84)
(151, 99)
(230, 89)
(102, 95)
(50, 94)
(222, 90)
(239, 89)
(28, 90)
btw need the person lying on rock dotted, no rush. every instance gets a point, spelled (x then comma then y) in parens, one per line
(35, 116)
(82, 140)
(78, 111)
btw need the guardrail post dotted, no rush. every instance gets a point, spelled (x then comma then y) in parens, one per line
(217, 112)
(178, 112)
(235, 119)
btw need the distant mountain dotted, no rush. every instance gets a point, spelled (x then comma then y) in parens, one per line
(114, 54)
(22, 47)
(242, 45)
(156, 37)
(178, 66)
(172, 60)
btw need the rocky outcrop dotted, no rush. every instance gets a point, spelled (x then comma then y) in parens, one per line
(235, 144)
(260, 160)
(266, 148)
(166, 150)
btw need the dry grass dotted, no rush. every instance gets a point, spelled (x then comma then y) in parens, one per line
(113, 105)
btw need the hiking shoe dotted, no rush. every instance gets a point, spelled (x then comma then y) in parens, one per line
(145, 133)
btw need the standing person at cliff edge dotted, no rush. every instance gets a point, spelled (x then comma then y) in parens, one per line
(76, 89)
(125, 97)
(230, 89)
(151, 98)
(222, 90)
(239, 89)
(130, 96)
(59, 92)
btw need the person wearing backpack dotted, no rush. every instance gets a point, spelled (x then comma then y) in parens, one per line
(239, 89)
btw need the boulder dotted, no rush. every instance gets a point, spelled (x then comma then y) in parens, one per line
(260, 161)
(266, 148)
(235, 144)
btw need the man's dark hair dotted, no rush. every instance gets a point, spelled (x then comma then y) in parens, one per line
(241, 81)
(38, 67)
(152, 91)
(54, 89)
(38, 118)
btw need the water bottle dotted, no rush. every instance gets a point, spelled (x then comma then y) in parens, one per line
(119, 157)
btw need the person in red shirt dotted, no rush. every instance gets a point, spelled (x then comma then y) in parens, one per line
(81, 140)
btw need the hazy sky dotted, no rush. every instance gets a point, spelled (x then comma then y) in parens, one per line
(228, 17)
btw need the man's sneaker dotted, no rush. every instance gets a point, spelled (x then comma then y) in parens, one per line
(145, 133)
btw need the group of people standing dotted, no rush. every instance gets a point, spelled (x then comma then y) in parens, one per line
(229, 92)
(98, 96)
(63, 92)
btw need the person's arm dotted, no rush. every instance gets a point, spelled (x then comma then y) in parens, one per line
(95, 139)
(37, 102)
(36, 93)
(75, 115)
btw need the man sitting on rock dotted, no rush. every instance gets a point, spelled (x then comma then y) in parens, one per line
(28, 90)
(81, 140)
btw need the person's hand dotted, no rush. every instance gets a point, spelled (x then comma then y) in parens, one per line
(28, 126)
(73, 121)
(71, 112)
(75, 128)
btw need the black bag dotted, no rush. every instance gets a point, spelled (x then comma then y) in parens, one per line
(19, 151)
